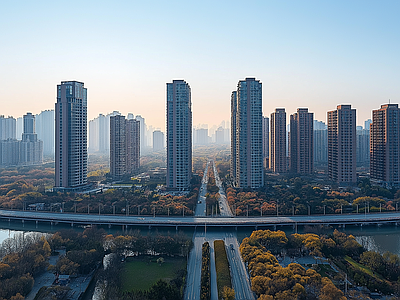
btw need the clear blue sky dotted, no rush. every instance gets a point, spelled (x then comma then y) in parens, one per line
(315, 54)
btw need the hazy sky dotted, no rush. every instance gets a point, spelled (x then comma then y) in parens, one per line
(315, 54)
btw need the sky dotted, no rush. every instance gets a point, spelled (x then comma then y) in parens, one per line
(315, 54)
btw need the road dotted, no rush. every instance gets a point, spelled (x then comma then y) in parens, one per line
(192, 291)
(239, 276)
(225, 210)
(201, 202)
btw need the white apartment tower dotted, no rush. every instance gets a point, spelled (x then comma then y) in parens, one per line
(179, 135)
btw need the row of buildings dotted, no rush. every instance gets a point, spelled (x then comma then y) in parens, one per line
(24, 152)
(256, 141)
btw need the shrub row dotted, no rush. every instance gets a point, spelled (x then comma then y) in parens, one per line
(205, 289)
(221, 267)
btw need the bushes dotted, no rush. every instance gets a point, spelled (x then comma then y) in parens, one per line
(205, 289)
(221, 267)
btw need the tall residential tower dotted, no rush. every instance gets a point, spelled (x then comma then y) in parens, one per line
(71, 136)
(301, 142)
(247, 139)
(277, 155)
(385, 146)
(179, 135)
(342, 145)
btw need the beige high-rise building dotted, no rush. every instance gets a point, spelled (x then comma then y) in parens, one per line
(342, 145)
(277, 155)
(124, 146)
(301, 142)
(385, 143)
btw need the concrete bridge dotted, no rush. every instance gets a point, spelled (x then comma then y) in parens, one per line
(392, 218)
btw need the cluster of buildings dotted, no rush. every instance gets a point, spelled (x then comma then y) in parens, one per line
(257, 142)
(19, 152)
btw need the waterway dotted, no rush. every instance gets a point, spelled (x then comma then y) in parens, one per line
(377, 238)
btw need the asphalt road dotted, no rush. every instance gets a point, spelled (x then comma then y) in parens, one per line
(239, 276)
(192, 291)
(201, 202)
(225, 210)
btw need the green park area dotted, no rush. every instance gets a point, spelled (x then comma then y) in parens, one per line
(141, 273)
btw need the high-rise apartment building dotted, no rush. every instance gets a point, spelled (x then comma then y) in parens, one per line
(99, 134)
(362, 148)
(247, 143)
(301, 142)
(124, 146)
(233, 134)
(44, 123)
(320, 143)
(277, 154)
(158, 140)
(143, 132)
(71, 136)
(220, 135)
(342, 145)
(31, 149)
(7, 128)
(132, 140)
(201, 136)
(385, 146)
(265, 137)
(179, 135)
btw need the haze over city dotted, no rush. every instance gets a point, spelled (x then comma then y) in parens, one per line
(307, 54)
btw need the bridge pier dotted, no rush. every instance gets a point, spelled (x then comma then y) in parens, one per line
(344, 226)
(256, 227)
(72, 224)
(176, 228)
(23, 223)
(275, 227)
(109, 226)
(36, 223)
(149, 227)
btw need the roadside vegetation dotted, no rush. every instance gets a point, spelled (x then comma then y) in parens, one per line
(205, 287)
(270, 280)
(222, 268)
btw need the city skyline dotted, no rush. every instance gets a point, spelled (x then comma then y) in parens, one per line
(304, 53)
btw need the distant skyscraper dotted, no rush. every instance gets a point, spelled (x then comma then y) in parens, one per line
(19, 127)
(31, 149)
(179, 135)
(342, 145)
(99, 134)
(277, 155)
(385, 146)
(7, 128)
(367, 123)
(46, 131)
(362, 148)
(143, 131)
(247, 144)
(265, 134)
(71, 136)
(201, 136)
(219, 136)
(320, 143)
(301, 142)
(158, 140)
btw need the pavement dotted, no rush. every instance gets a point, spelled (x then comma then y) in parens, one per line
(240, 279)
(225, 210)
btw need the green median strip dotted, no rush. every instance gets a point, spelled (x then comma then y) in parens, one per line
(222, 267)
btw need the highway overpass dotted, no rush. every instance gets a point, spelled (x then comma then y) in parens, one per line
(392, 218)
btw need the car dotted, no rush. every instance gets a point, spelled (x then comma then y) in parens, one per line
(232, 247)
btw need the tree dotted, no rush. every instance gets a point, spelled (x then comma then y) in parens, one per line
(228, 293)
(331, 292)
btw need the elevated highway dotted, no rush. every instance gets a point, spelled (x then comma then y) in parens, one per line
(189, 221)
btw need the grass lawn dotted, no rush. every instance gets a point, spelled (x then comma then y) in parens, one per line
(140, 274)
(363, 268)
